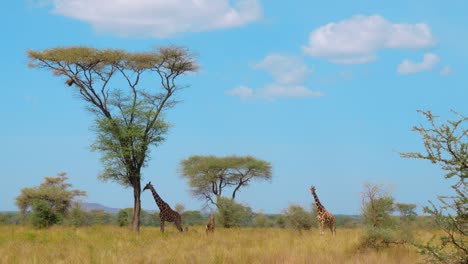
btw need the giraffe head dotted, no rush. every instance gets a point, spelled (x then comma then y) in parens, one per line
(148, 185)
(312, 189)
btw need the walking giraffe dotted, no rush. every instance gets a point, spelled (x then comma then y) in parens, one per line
(165, 211)
(324, 217)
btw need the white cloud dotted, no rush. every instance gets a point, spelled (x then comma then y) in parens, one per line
(356, 40)
(428, 63)
(243, 92)
(289, 75)
(446, 70)
(285, 69)
(159, 18)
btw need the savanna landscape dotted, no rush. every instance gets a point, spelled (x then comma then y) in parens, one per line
(239, 131)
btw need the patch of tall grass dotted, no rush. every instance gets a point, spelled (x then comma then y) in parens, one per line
(111, 244)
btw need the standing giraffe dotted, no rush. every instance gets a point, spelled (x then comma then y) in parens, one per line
(211, 225)
(165, 211)
(324, 217)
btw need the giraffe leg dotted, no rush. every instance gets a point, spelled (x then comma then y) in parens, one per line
(178, 224)
(321, 228)
(332, 228)
(162, 226)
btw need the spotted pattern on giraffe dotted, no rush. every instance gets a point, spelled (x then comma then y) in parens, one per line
(166, 214)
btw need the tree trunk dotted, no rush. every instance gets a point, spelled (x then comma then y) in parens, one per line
(136, 206)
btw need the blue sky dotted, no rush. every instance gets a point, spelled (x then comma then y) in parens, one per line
(327, 91)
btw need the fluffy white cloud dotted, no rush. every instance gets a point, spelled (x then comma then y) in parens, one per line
(356, 40)
(428, 63)
(285, 69)
(159, 18)
(289, 74)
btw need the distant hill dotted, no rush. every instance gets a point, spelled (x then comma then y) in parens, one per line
(96, 206)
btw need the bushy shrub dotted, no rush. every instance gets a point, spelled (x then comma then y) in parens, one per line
(232, 214)
(42, 215)
(298, 218)
(191, 218)
(261, 220)
(77, 216)
(381, 228)
(122, 218)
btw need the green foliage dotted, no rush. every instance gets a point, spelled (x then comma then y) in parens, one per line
(280, 221)
(377, 212)
(149, 219)
(261, 220)
(232, 214)
(54, 192)
(121, 141)
(209, 176)
(407, 211)
(9, 218)
(298, 218)
(446, 145)
(125, 216)
(378, 237)
(122, 218)
(314, 214)
(346, 221)
(377, 206)
(191, 218)
(43, 215)
(381, 228)
(100, 217)
(77, 216)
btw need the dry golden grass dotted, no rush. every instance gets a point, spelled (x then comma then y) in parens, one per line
(110, 244)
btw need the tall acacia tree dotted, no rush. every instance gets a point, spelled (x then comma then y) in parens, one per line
(128, 112)
(209, 176)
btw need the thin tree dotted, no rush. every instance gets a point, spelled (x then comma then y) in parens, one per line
(127, 111)
(210, 176)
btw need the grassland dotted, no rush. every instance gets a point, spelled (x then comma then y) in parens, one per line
(111, 244)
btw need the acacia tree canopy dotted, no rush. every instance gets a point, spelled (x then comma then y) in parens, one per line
(128, 112)
(210, 176)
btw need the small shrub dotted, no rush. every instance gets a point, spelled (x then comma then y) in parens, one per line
(298, 218)
(382, 229)
(122, 218)
(261, 220)
(42, 215)
(77, 216)
(232, 214)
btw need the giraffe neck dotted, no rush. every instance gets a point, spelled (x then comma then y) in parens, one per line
(161, 204)
(320, 207)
